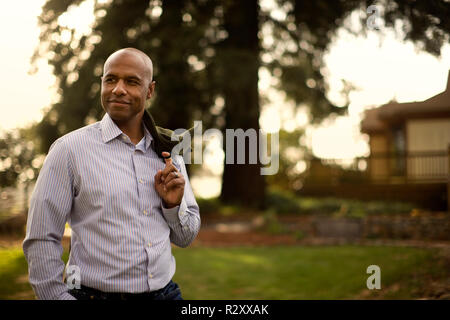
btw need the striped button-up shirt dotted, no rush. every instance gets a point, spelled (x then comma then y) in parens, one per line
(102, 184)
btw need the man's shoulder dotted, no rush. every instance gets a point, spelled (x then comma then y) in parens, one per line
(83, 135)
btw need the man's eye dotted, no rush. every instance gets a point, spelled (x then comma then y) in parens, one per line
(109, 80)
(133, 82)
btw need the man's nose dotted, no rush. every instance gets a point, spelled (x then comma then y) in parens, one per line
(119, 88)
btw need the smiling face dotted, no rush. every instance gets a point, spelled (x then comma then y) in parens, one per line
(126, 85)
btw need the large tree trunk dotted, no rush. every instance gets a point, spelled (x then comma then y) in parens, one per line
(173, 111)
(242, 183)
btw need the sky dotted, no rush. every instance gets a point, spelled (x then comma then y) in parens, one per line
(381, 71)
(23, 95)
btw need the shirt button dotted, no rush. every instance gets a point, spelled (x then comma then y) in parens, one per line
(182, 213)
(150, 276)
(141, 181)
(145, 212)
(149, 244)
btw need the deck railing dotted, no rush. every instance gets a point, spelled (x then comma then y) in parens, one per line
(407, 167)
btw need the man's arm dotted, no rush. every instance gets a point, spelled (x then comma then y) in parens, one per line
(49, 209)
(184, 219)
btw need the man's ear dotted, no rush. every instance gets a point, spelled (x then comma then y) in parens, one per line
(151, 89)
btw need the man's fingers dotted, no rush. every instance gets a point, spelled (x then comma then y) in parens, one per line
(166, 173)
(167, 157)
(169, 165)
(170, 176)
(170, 172)
(174, 183)
(158, 176)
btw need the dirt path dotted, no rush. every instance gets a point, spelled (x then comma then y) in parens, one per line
(211, 237)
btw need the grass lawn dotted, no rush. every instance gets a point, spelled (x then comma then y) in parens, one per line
(302, 272)
(274, 272)
(14, 274)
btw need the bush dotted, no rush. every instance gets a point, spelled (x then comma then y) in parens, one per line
(209, 206)
(282, 202)
(272, 225)
(286, 202)
(352, 208)
(215, 206)
(319, 205)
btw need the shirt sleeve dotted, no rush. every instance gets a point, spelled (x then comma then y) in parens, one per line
(50, 207)
(183, 220)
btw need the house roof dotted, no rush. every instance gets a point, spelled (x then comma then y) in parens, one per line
(371, 122)
(380, 119)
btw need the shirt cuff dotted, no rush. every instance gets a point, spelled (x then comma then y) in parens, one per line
(175, 214)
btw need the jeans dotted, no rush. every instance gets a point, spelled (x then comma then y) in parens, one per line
(170, 292)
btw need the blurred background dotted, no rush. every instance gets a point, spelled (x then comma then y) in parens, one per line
(358, 91)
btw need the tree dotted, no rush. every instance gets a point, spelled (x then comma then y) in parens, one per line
(206, 50)
(292, 163)
(239, 59)
(162, 30)
(19, 160)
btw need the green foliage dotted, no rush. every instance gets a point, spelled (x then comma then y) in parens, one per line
(19, 159)
(286, 202)
(209, 206)
(272, 225)
(299, 235)
(229, 210)
(283, 202)
(291, 152)
(175, 40)
(352, 208)
(213, 206)
(197, 44)
(320, 205)
(204, 50)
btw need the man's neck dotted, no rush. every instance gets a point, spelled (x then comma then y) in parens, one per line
(136, 139)
(133, 130)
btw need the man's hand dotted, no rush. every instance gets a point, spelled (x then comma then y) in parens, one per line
(169, 183)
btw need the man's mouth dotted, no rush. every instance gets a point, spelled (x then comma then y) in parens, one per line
(119, 102)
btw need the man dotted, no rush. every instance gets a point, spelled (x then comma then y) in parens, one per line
(124, 202)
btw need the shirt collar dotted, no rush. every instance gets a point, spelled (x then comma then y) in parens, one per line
(111, 131)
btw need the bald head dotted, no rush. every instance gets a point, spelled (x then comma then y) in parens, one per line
(126, 86)
(147, 62)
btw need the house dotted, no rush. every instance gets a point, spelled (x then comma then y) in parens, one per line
(409, 142)
(409, 157)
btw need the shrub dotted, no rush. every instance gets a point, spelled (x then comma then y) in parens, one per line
(282, 202)
(209, 206)
(215, 206)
